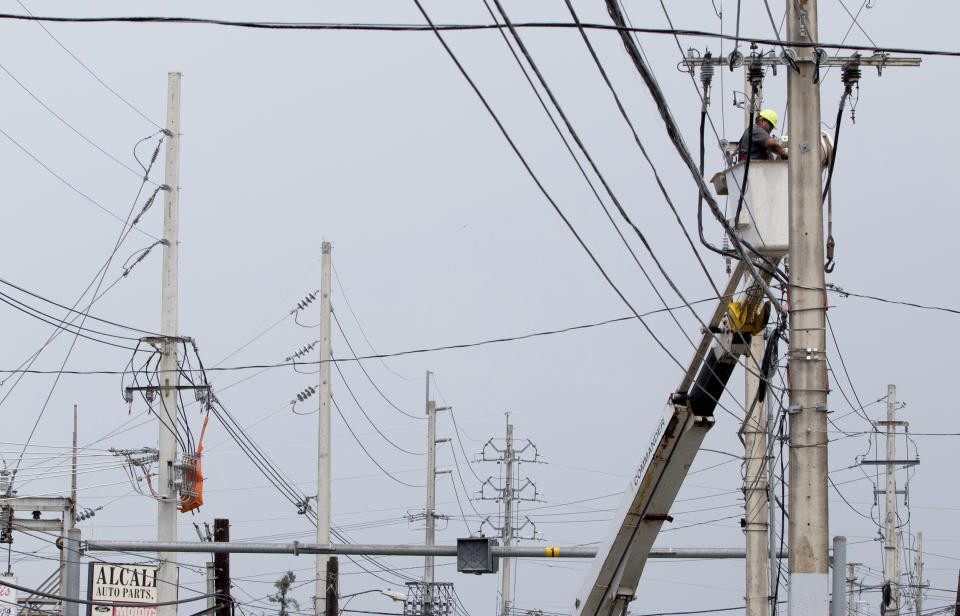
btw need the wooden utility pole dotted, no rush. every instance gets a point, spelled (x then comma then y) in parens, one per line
(169, 374)
(323, 432)
(221, 568)
(332, 598)
(956, 605)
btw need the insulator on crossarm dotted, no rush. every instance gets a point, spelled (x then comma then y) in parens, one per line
(706, 76)
(306, 393)
(306, 301)
(301, 351)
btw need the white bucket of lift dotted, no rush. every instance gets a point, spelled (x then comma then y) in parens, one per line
(764, 221)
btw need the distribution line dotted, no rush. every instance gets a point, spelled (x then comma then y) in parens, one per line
(367, 374)
(363, 333)
(383, 27)
(39, 22)
(369, 420)
(102, 275)
(550, 199)
(67, 124)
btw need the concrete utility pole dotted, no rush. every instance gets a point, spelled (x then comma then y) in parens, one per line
(771, 491)
(851, 581)
(891, 560)
(72, 548)
(755, 488)
(430, 538)
(808, 534)
(839, 575)
(169, 373)
(918, 564)
(73, 474)
(507, 521)
(323, 435)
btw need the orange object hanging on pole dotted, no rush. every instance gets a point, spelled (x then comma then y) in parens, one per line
(193, 499)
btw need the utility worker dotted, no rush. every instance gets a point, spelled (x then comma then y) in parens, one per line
(764, 145)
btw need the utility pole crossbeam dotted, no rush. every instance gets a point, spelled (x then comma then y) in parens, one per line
(167, 498)
(323, 435)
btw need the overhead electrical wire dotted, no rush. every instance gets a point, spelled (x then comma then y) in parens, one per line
(386, 27)
(363, 332)
(372, 423)
(367, 452)
(101, 275)
(39, 22)
(73, 310)
(367, 374)
(67, 124)
(69, 185)
(540, 185)
(563, 217)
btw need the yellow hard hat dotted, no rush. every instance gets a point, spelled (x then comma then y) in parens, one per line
(770, 116)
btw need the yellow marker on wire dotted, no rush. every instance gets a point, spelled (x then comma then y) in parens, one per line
(553, 552)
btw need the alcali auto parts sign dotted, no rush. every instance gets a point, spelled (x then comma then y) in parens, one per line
(8, 597)
(125, 586)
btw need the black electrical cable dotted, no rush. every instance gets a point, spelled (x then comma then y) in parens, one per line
(836, 140)
(746, 166)
(703, 240)
(367, 374)
(73, 310)
(367, 452)
(370, 421)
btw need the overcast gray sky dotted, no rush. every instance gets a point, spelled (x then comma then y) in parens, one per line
(373, 141)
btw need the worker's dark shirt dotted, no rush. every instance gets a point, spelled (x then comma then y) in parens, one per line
(759, 147)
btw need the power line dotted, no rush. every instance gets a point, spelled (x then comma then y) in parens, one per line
(63, 180)
(383, 27)
(67, 124)
(398, 353)
(80, 62)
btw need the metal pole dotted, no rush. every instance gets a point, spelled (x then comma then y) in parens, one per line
(72, 548)
(169, 375)
(919, 566)
(755, 488)
(809, 528)
(507, 521)
(890, 552)
(221, 567)
(323, 435)
(837, 606)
